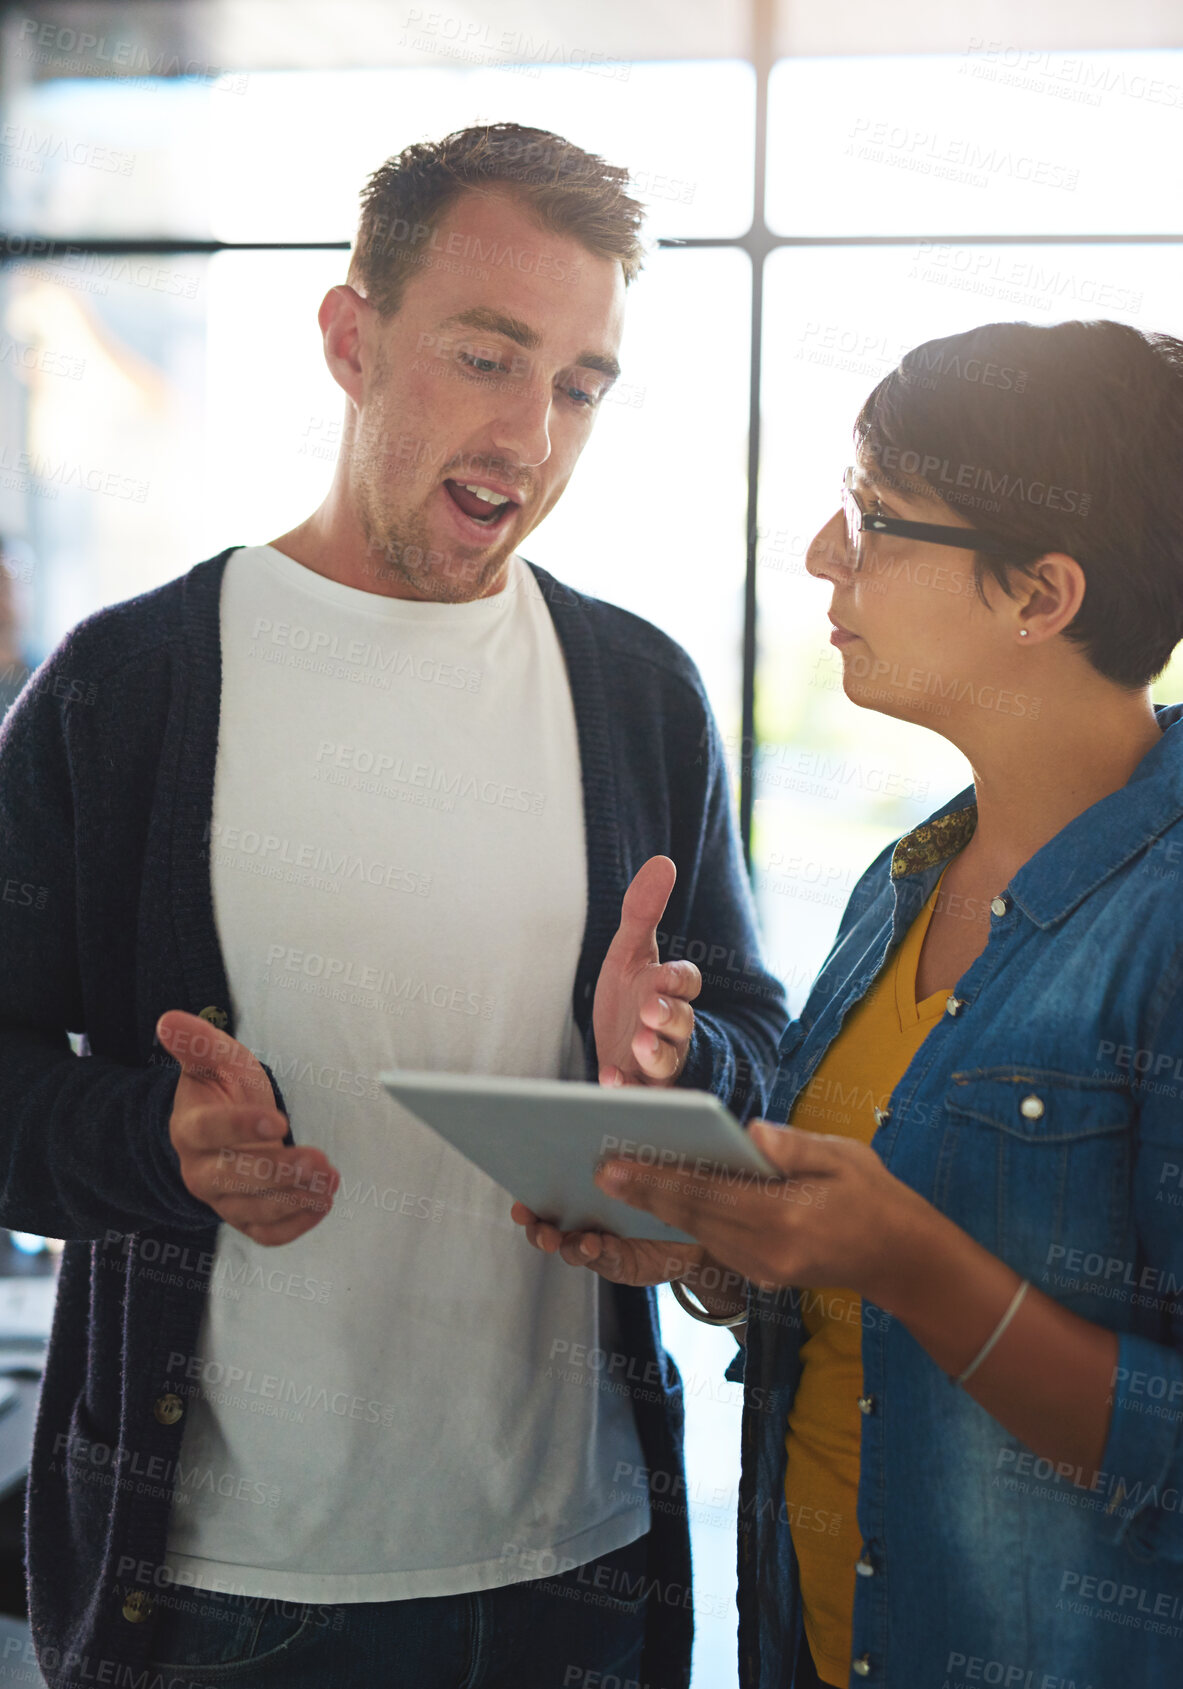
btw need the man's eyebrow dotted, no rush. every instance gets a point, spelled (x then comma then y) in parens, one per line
(496, 322)
(598, 361)
(482, 317)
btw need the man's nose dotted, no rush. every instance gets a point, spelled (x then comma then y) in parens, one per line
(827, 556)
(521, 428)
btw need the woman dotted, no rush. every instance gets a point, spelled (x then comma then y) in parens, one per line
(964, 1336)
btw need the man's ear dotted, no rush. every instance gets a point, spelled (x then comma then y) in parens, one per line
(343, 316)
(1049, 598)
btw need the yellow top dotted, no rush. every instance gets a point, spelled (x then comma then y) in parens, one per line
(857, 1075)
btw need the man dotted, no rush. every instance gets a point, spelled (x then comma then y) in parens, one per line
(370, 795)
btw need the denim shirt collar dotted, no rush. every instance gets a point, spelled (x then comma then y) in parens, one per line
(1081, 855)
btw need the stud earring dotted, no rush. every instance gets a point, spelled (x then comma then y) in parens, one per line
(1023, 632)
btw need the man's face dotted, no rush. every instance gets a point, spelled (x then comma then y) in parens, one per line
(488, 376)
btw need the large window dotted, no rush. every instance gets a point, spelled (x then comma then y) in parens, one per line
(176, 401)
(943, 190)
(178, 187)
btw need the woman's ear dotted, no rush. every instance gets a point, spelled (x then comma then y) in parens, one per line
(1048, 598)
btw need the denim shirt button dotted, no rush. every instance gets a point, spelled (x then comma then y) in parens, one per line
(954, 1005)
(866, 1404)
(862, 1666)
(882, 1116)
(864, 1565)
(1031, 1108)
(999, 906)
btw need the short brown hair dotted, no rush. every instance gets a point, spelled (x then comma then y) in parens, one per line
(566, 190)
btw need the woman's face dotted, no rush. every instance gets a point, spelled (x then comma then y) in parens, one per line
(915, 637)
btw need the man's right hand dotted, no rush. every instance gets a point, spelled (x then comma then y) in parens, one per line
(270, 1191)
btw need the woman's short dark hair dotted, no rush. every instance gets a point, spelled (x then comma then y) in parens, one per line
(1063, 438)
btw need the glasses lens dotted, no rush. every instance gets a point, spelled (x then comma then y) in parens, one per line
(854, 524)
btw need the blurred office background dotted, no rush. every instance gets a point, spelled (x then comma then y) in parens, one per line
(828, 183)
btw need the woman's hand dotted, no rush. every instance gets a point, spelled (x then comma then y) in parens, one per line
(622, 1260)
(835, 1216)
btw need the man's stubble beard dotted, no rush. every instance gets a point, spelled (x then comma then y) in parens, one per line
(400, 551)
(399, 546)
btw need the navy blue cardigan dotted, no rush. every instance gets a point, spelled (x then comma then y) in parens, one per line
(106, 920)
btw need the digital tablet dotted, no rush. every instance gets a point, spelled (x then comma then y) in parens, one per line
(542, 1140)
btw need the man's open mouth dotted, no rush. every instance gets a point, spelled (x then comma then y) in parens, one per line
(480, 503)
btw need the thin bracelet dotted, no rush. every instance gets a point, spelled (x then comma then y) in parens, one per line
(683, 1301)
(996, 1333)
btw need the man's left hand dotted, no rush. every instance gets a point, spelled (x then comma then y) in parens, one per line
(642, 1015)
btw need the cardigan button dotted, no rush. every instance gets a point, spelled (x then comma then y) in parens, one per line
(168, 1409)
(862, 1666)
(216, 1017)
(866, 1404)
(136, 1607)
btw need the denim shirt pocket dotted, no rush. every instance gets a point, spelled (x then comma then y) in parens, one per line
(1037, 1165)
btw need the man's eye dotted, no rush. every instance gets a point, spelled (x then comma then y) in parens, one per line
(586, 398)
(482, 366)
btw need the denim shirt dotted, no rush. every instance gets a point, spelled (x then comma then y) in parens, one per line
(1043, 1114)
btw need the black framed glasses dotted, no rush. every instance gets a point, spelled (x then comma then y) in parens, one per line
(860, 521)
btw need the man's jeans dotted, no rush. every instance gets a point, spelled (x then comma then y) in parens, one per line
(549, 1633)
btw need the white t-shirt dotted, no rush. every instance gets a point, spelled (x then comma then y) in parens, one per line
(386, 1408)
